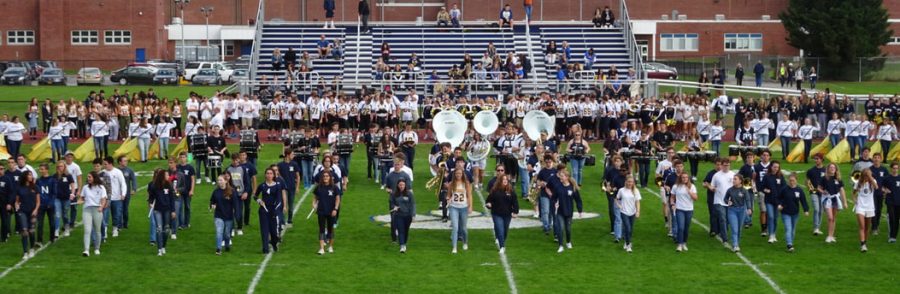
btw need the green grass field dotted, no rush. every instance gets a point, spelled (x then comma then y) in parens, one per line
(365, 261)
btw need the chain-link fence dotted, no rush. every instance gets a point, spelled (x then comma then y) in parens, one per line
(885, 69)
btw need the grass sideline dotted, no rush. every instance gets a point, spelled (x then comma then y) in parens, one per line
(366, 261)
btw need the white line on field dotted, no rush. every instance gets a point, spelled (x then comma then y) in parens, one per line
(23, 261)
(262, 266)
(506, 268)
(743, 258)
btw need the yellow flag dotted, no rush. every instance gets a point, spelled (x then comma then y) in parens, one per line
(822, 148)
(876, 148)
(4, 154)
(796, 154)
(894, 154)
(85, 152)
(775, 145)
(126, 147)
(40, 151)
(181, 147)
(840, 153)
(154, 150)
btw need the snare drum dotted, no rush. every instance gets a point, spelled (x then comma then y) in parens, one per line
(214, 161)
(709, 156)
(734, 150)
(694, 155)
(683, 155)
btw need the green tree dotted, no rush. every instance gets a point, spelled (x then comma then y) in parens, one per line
(839, 32)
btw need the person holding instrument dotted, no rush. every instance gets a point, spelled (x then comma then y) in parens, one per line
(327, 203)
(273, 198)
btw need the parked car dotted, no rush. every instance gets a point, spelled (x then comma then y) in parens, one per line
(165, 64)
(52, 76)
(133, 75)
(239, 75)
(165, 76)
(89, 75)
(207, 77)
(224, 70)
(660, 71)
(16, 76)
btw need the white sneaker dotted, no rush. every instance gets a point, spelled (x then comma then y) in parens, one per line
(817, 232)
(502, 250)
(330, 249)
(240, 232)
(321, 251)
(115, 232)
(326, 26)
(31, 253)
(198, 181)
(86, 253)
(159, 252)
(453, 251)
(25, 256)
(232, 234)
(66, 233)
(164, 251)
(771, 239)
(465, 246)
(560, 250)
(737, 249)
(863, 248)
(403, 249)
(678, 248)
(684, 247)
(96, 251)
(569, 245)
(628, 249)
(174, 237)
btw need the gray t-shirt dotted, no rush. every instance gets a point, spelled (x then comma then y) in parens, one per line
(237, 177)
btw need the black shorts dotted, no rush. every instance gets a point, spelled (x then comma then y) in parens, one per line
(274, 124)
(329, 13)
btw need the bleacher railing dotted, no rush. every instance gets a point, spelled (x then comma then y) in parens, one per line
(630, 42)
(257, 39)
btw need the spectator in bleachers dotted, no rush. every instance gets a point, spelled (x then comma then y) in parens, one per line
(329, 13)
(466, 65)
(526, 65)
(491, 49)
(486, 60)
(613, 73)
(520, 72)
(324, 47)
(290, 57)
(455, 74)
(566, 51)
(506, 17)
(385, 52)
(306, 60)
(480, 72)
(380, 69)
(561, 82)
(415, 62)
(604, 19)
(528, 8)
(589, 59)
(337, 51)
(551, 52)
(397, 77)
(363, 10)
(443, 17)
(277, 59)
(455, 16)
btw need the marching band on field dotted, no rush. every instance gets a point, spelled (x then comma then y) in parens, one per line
(541, 143)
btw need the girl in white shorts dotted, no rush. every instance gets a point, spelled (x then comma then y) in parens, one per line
(864, 192)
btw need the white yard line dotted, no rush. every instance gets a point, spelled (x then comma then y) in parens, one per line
(23, 261)
(503, 260)
(743, 258)
(262, 266)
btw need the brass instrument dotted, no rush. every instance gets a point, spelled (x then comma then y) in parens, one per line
(855, 176)
(659, 181)
(437, 180)
(747, 184)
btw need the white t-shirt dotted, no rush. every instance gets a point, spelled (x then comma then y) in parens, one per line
(74, 170)
(93, 195)
(835, 126)
(722, 181)
(628, 200)
(865, 197)
(683, 199)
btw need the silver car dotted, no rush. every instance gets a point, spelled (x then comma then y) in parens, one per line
(89, 75)
(52, 76)
(207, 77)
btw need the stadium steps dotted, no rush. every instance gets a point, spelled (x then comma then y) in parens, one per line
(302, 38)
(357, 67)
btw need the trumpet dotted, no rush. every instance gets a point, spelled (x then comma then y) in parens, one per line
(855, 176)
(659, 181)
(747, 185)
(533, 193)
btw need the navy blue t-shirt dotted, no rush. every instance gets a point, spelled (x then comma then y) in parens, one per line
(27, 199)
(289, 171)
(64, 186)
(832, 186)
(327, 197)
(271, 195)
(225, 208)
(815, 176)
(548, 176)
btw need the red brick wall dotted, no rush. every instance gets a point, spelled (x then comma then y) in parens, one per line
(893, 50)
(706, 9)
(712, 38)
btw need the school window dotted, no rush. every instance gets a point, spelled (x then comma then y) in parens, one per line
(84, 37)
(20, 37)
(229, 49)
(117, 37)
(743, 42)
(680, 42)
(894, 41)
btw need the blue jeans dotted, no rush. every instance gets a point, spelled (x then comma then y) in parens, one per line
(152, 228)
(627, 227)
(785, 146)
(715, 146)
(163, 147)
(179, 215)
(117, 212)
(759, 80)
(458, 216)
(59, 212)
(577, 167)
(762, 139)
(855, 142)
(772, 218)
(291, 193)
(144, 146)
(683, 223)
(161, 219)
(223, 232)
(546, 217)
(524, 181)
(126, 203)
(563, 224)
(58, 148)
(528, 10)
(835, 139)
(501, 227)
(344, 162)
(306, 173)
(185, 218)
(722, 214)
(790, 225)
(817, 210)
(403, 223)
(736, 217)
(100, 146)
(615, 217)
